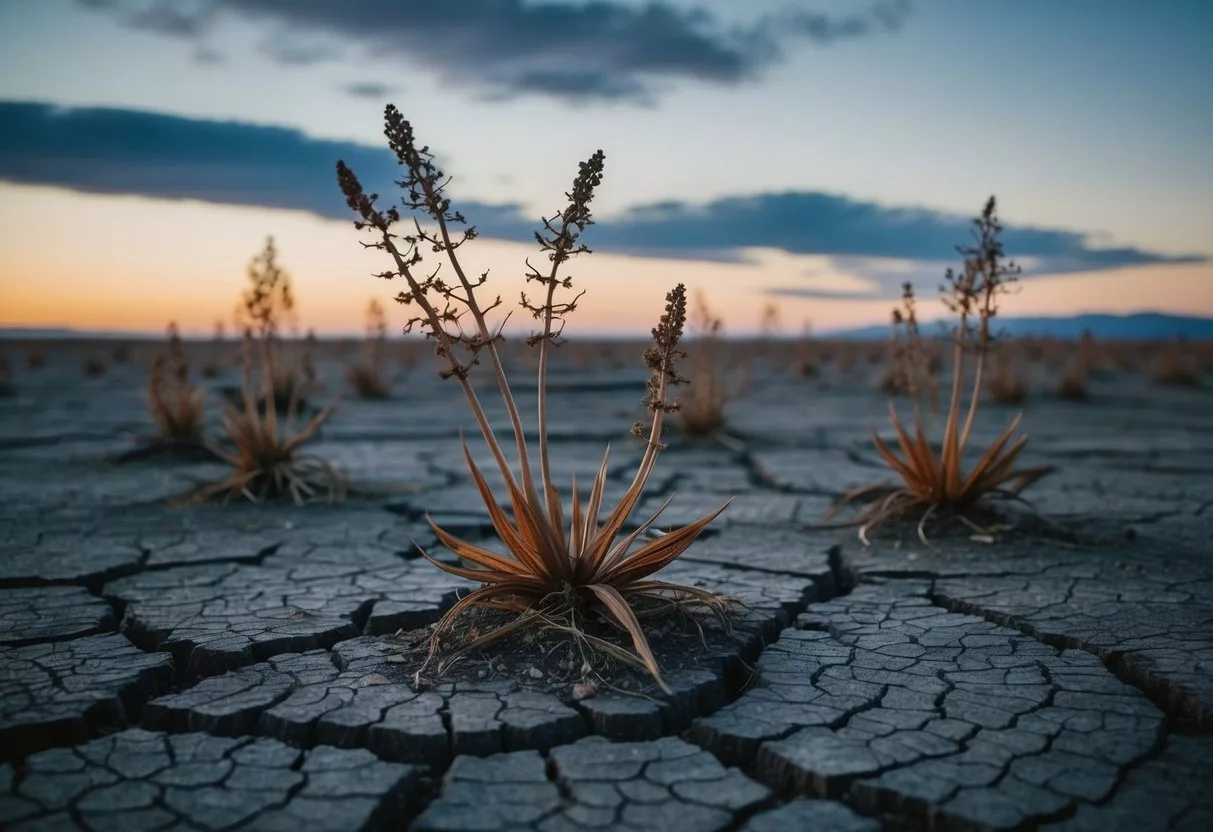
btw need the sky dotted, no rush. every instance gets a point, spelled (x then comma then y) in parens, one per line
(813, 154)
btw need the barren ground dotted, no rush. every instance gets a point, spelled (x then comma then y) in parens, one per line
(216, 667)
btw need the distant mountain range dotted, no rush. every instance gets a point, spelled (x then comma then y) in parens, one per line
(1143, 326)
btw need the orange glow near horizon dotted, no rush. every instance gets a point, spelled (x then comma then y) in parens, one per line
(134, 264)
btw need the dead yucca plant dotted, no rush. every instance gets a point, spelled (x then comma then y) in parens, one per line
(264, 450)
(367, 376)
(551, 575)
(177, 406)
(934, 481)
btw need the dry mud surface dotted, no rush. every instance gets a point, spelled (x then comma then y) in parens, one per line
(234, 667)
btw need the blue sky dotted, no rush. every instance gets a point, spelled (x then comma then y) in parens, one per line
(814, 152)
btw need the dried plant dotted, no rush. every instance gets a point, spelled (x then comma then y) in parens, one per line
(94, 367)
(265, 450)
(702, 411)
(937, 482)
(805, 360)
(211, 368)
(909, 372)
(121, 354)
(34, 358)
(548, 574)
(1073, 385)
(367, 376)
(1174, 369)
(8, 387)
(177, 406)
(1007, 385)
(267, 305)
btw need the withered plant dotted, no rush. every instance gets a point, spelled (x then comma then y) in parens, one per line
(210, 369)
(34, 358)
(8, 387)
(1074, 384)
(1007, 384)
(264, 449)
(702, 410)
(936, 482)
(178, 407)
(909, 372)
(367, 376)
(551, 576)
(805, 364)
(94, 367)
(1174, 368)
(267, 305)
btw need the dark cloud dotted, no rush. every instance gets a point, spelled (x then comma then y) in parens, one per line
(127, 152)
(208, 56)
(188, 20)
(602, 50)
(858, 235)
(114, 151)
(369, 89)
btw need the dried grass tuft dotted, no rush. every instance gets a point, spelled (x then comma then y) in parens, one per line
(702, 409)
(367, 376)
(178, 407)
(1007, 384)
(8, 387)
(556, 568)
(1174, 368)
(932, 482)
(94, 367)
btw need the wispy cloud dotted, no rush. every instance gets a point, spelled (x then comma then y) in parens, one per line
(118, 151)
(604, 50)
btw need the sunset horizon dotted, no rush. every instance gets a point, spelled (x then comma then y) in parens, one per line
(130, 197)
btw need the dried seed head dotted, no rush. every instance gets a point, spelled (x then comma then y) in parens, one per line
(662, 357)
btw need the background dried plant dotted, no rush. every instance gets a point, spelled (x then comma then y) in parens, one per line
(178, 408)
(806, 362)
(210, 368)
(549, 576)
(1174, 369)
(367, 376)
(265, 449)
(94, 367)
(8, 387)
(909, 372)
(937, 482)
(35, 358)
(1007, 384)
(701, 414)
(267, 306)
(1074, 383)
